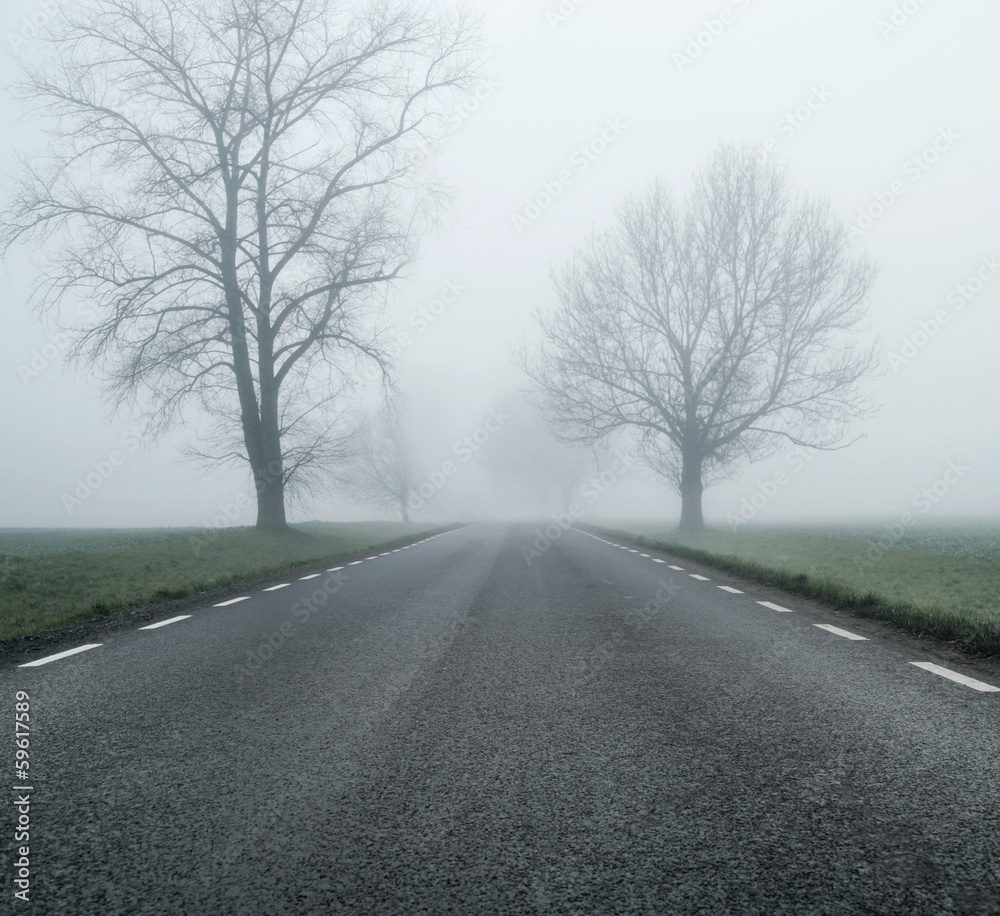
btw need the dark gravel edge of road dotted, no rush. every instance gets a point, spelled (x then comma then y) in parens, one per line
(952, 651)
(25, 648)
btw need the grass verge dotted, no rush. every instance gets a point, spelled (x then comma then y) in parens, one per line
(954, 599)
(57, 588)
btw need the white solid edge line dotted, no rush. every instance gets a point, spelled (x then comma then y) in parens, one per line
(163, 623)
(59, 655)
(730, 589)
(981, 686)
(775, 607)
(696, 576)
(274, 588)
(232, 601)
(847, 634)
(678, 568)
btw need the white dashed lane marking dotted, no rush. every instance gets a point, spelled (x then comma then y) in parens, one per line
(699, 578)
(847, 634)
(313, 576)
(678, 568)
(659, 561)
(356, 563)
(335, 568)
(274, 588)
(163, 623)
(730, 589)
(231, 601)
(59, 655)
(981, 686)
(775, 607)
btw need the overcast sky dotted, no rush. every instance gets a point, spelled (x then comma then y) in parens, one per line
(885, 109)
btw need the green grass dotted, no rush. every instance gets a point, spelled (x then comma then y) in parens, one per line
(52, 578)
(949, 589)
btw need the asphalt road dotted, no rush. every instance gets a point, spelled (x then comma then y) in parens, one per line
(466, 727)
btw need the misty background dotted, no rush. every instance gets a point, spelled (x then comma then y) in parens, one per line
(873, 106)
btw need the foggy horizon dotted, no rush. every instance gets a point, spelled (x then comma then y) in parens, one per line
(879, 111)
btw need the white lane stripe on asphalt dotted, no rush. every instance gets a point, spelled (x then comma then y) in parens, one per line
(59, 655)
(232, 601)
(730, 589)
(335, 568)
(981, 686)
(372, 558)
(356, 563)
(700, 578)
(678, 568)
(847, 634)
(313, 576)
(659, 561)
(163, 623)
(775, 607)
(274, 588)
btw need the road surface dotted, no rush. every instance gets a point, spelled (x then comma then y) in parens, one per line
(494, 722)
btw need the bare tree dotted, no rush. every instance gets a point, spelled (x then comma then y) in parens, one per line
(713, 332)
(379, 469)
(233, 184)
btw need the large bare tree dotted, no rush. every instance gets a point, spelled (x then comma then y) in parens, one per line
(232, 184)
(713, 330)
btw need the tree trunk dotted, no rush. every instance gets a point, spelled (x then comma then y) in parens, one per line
(691, 491)
(270, 498)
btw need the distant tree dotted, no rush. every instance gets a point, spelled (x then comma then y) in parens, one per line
(712, 332)
(378, 469)
(232, 183)
(526, 454)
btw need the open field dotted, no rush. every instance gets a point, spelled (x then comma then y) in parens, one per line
(52, 577)
(936, 580)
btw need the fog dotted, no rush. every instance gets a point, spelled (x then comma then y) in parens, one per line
(886, 110)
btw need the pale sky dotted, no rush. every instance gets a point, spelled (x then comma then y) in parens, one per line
(872, 109)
